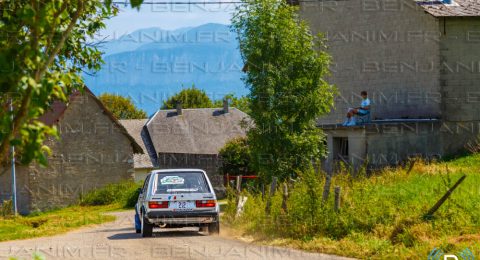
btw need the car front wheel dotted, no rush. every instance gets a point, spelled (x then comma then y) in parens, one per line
(147, 228)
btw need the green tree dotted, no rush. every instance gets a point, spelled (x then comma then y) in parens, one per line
(45, 44)
(242, 103)
(285, 76)
(190, 97)
(196, 98)
(236, 157)
(122, 107)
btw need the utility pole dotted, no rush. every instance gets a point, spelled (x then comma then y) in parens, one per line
(12, 154)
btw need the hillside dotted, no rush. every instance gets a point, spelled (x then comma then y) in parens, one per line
(151, 64)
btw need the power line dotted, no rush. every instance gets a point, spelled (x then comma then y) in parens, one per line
(204, 2)
(177, 3)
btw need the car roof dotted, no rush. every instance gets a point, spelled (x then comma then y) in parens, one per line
(178, 170)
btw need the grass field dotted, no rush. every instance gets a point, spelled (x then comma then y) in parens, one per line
(381, 217)
(54, 222)
(89, 211)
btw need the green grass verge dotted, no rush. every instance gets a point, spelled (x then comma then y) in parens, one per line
(381, 216)
(91, 209)
(54, 222)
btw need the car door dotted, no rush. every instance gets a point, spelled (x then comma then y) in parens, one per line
(143, 192)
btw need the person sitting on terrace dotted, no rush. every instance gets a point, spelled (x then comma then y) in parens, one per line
(363, 110)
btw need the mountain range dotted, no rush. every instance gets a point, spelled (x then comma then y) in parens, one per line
(151, 64)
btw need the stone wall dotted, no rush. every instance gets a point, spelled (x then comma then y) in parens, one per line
(23, 194)
(389, 48)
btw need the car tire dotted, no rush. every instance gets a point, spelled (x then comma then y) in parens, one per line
(203, 228)
(147, 228)
(138, 224)
(214, 228)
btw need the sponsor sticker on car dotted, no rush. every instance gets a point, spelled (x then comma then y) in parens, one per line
(172, 180)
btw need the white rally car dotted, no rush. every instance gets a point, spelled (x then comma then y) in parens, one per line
(177, 198)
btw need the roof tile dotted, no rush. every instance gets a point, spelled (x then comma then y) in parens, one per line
(196, 131)
(462, 8)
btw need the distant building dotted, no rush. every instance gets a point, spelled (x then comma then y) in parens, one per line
(419, 62)
(94, 150)
(141, 161)
(192, 138)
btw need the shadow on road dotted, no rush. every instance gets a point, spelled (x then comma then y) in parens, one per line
(171, 233)
(124, 236)
(112, 230)
(133, 235)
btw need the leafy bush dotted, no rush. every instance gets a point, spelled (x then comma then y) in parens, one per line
(131, 197)
(190, 98)
(6, 208)
(122, 107)
(236, 157)
(125, 193)
(242, 103)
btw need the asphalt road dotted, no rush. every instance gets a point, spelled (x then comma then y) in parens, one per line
(118, 240)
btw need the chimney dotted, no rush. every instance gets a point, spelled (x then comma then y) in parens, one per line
(179, 108)
(225, 105)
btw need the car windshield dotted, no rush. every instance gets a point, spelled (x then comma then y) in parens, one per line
(181, 182)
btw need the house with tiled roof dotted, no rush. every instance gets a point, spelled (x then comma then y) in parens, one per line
(93, 150)
(419, 61)
(142, 163)
(192, 138)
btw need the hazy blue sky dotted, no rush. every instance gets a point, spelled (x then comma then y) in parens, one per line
(170, 16)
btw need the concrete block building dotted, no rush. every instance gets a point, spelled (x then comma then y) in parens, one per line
(419, 62)
(93, 150)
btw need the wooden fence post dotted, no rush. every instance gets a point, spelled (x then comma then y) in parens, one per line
(273, 187)
(239, 183)
(337, 198)
(444, 198)
(326, 188)
(241, 203)
(412, 164)
(285, 198)
(263, 191)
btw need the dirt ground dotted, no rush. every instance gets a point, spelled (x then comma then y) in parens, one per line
(118, 240)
